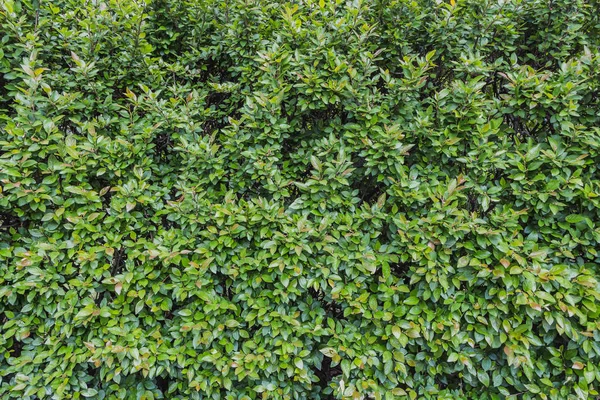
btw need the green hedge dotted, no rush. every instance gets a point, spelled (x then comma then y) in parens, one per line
(258, 199)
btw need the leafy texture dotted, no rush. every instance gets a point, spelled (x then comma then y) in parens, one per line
(252, 199)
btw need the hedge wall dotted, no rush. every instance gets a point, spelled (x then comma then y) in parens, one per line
(258, 199)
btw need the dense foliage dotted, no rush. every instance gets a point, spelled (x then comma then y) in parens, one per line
(257, 199)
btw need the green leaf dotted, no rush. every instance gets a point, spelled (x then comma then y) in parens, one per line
(89, 392)
(411, 301)
(574, 218)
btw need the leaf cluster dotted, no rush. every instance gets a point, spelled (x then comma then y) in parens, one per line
(252, 199)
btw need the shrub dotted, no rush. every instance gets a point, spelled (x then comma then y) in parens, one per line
(257, 199)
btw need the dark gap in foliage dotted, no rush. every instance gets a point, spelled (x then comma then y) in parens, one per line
(16, 348)
(4, 98)
(381, 87)
(162, 144)
(167, 224)
(369, 189)
(498, 174)
(236, 112)
(256, 190)
(472, 203)
(224, 287)
(289, 116)
(212, 67)
(92, 370)
(9, 220)
(519, 127)
(99, 183)
(386, 235)
(118, 261)
(163, 382)
(67, 126)
(211, 125)
(173, 192)
(289, 146)
(216, 99)
(400, 270)
(116, 267)
(316, 119)
(119, 91)
(326, 374)
(496, 82)
(106, 198)
(332, 308)
(167, 315)
(451, 381)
